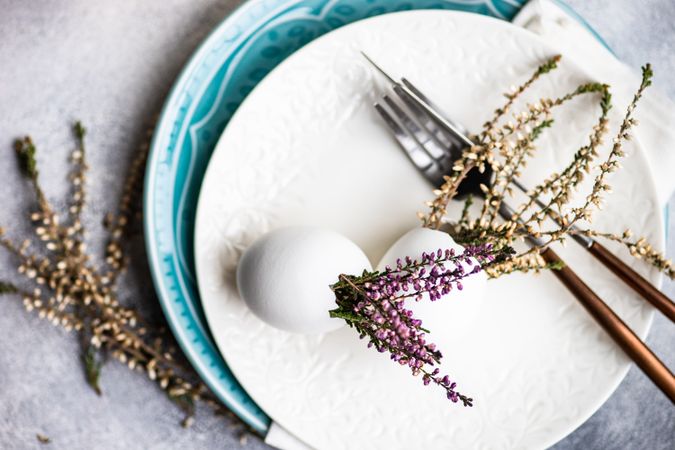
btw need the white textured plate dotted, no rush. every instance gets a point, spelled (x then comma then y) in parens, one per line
(307, 148)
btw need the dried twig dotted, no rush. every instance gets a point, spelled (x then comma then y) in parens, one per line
(74, 293)
(506, 148)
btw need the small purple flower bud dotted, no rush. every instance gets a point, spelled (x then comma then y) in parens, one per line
(390, 326)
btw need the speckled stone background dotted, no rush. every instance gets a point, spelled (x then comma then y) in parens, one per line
(111, 64)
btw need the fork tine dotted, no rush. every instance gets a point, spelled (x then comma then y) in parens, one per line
(378, 68)
(450, 141)
(438, 117)
(442, 138)
(425, 99)
(412, 148)
(426, 142)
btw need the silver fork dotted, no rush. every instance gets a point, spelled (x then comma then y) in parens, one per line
(433, 142)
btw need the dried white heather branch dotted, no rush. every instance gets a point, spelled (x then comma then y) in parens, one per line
(73, 293)
(506, 148)
(638, 248)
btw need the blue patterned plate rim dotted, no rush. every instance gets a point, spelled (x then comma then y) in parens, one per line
(168, 220)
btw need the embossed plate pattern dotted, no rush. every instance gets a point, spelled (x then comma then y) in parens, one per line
(226, 67)
(229, 63)
(306, 148)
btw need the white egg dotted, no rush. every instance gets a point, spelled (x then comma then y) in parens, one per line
(284, 277)
(455, 312)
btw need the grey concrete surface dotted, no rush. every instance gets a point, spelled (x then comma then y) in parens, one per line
(111, 64)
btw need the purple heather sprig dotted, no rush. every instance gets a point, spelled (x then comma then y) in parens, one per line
(374, 304)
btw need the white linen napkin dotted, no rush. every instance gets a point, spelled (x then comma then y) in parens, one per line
(656, 113)
(278, 437)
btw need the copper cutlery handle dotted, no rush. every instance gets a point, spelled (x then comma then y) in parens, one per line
(650, 364)
(634, 280)
(411, 141)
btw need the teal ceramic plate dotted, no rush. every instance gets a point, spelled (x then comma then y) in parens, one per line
(221, 73)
